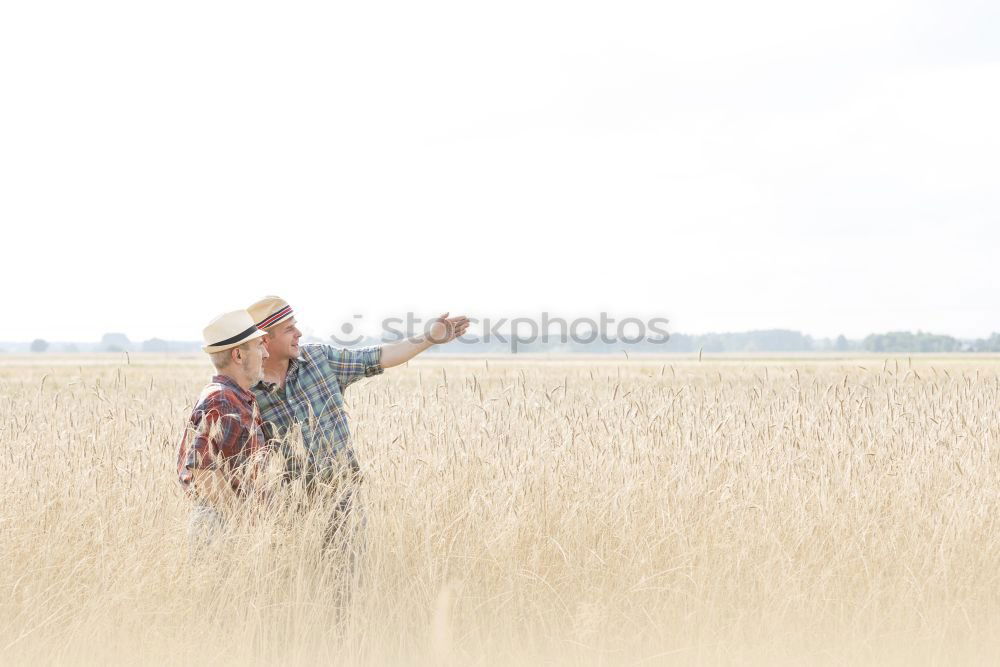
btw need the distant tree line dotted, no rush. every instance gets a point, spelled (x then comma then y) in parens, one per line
(991, 344)
(767, 340)
(110, 342)
(783, 340)
(906, 341)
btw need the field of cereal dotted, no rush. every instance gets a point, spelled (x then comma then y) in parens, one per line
(588, 511)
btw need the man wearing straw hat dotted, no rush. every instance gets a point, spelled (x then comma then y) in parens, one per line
(223, 445)
(302, 391)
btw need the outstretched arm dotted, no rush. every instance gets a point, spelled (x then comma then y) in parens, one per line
(443, 330)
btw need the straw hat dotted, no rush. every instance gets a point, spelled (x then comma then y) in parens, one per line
(269, 311)
(229, 330)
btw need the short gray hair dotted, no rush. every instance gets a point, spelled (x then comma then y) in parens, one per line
(222, 359)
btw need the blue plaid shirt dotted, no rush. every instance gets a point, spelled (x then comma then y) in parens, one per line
(313, 399)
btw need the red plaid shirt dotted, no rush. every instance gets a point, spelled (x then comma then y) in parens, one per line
(223, 433)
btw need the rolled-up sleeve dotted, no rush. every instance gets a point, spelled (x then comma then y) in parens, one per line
(216, 433)
(197, 450)
(351, 364)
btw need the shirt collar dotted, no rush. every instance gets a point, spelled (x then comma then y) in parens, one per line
(293, 364)
(232, 384)
(292, 371)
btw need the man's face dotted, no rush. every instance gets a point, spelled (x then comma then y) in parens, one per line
(253, 360)
(283, 340)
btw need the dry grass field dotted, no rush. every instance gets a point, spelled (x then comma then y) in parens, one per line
(582, 512)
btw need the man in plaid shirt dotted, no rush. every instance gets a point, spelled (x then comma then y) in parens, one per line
(302, 390)
(224, 434)
(223, 445)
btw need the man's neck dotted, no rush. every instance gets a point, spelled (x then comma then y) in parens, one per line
(239, 379)
(275, 370)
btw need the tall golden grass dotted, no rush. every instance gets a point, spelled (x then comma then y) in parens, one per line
(640, 512)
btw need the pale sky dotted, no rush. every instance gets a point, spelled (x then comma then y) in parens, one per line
(827, 167)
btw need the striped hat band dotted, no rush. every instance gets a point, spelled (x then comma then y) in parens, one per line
(274, 317)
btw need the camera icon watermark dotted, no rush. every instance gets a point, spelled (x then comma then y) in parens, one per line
(349, 333)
